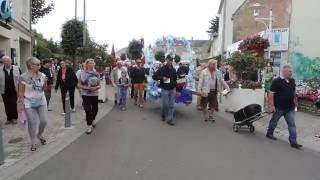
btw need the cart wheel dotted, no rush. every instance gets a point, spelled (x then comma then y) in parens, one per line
(252, 129)
(235, 128)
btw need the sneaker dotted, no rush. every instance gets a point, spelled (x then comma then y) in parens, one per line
(141, 106)
(63, 114)
(8, 122)
(269, 136)
(94, 124)
(74, 110)
(49, 109)
(89, 130)
(212, 119)
(171, 123)
(296, 146)
(123, 109)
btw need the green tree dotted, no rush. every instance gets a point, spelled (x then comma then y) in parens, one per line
(247, 64)
(177, 58)
(123, 56)
(160, 56)
(97, 52)
(134, 49)
(72, 37)
(39, 9)
(214, 27)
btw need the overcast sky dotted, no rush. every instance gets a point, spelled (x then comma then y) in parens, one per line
(119, 21)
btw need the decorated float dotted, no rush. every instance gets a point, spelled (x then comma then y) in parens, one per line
(185, 84)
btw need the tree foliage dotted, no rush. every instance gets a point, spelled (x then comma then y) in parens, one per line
(97, 52)
(134, 49)
(47, 48)
(123, 56)
(177, 58)
(72, 37)
(214, 27)
(247, 64)
(39, 9)
(160, 56)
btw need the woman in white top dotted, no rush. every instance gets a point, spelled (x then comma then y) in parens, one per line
(31, 96)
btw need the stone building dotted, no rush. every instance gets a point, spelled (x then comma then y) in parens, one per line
(15, 30)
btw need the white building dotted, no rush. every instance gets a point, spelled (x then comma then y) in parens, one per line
(225, 36)
(15, 30)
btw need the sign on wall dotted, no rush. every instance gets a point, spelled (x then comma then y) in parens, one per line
(5, 10)
(280, 39)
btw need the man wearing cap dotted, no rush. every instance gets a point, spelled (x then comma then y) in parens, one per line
(167, 76)
(9, 76)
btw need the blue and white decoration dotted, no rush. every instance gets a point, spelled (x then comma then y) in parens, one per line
(169, 43)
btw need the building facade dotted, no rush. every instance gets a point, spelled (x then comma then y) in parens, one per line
(294, 32)
(15, 30)
(225, 35)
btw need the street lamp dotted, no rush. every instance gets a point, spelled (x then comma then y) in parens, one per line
(264, 20)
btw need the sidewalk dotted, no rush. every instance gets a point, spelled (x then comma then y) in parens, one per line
(308, 127)
(17, 142)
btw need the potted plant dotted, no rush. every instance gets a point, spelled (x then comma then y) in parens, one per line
(246, 64)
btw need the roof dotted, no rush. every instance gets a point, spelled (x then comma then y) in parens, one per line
(200, 43)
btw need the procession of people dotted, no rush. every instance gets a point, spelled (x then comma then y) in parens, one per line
(30, 93)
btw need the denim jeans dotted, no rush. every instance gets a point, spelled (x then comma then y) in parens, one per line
(168, 99)
(289, 116)
(123, 97)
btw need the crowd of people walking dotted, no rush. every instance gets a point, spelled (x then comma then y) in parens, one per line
(29, 93)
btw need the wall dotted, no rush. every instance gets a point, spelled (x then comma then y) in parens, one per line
(19, 36)
(304, 39)
(244, 23)
(226, 24)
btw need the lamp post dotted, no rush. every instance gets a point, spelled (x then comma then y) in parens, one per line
(267, 21)
(84, 24)
(76, 9)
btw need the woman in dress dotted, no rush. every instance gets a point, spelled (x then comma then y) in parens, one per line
(267, 79)
(31, 98)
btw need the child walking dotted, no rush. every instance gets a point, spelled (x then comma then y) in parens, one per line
(123, 84)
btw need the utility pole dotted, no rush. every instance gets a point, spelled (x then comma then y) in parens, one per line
(84, 24)
(76, 10)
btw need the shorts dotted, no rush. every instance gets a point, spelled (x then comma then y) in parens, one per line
(212, 100)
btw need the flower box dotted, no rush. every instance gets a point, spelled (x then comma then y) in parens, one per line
(308, 107)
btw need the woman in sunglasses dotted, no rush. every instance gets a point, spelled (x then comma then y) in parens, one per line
(32, 99)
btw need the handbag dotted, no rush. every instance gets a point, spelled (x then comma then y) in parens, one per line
(36, 102)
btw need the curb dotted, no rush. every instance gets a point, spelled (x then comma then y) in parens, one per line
(31, 162)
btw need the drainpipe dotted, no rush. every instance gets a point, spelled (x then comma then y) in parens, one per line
(224, 28)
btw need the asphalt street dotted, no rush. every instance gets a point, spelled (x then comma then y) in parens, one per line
(137, 145)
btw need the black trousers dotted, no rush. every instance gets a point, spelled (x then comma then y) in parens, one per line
(10, 106)
(132, 91)
(90, 105)
(71, 96)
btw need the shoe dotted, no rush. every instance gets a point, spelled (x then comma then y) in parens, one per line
(8, 123)
(163, 118)
(74, 110)
(141, 106)
(269, 136)
(296, 146)
(171, 123)
(63, 114)
(89, 130)
(13, 122)
(212, 119)
(115, 102)
(94, 124)
(42, 140)
(123, 109)
(33, 148)
(49, 109)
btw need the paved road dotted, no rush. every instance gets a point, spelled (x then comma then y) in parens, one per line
(137, 145)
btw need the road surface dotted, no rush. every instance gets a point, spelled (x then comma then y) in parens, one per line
(137, 145)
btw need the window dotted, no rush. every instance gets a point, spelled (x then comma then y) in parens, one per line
(25, 10)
